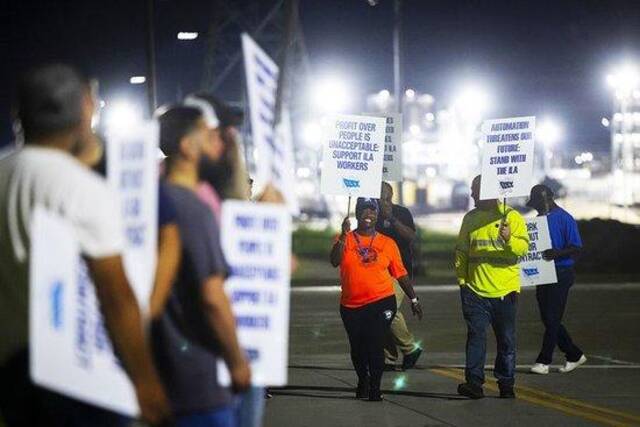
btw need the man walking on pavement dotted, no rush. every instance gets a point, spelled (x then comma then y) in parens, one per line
(396, 222)
(492, 238)
(552, 298)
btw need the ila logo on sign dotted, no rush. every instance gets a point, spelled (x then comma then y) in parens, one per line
(506, 185)
(56, 297)
(533, 271)
(351, 183)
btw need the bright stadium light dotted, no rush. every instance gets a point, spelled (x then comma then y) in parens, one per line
(330, 95)
(137, 80)
(311, 133)
(625, 78)
(187, 35)
(472, 102)
(605, 122)
(121, 115)
(548, 133)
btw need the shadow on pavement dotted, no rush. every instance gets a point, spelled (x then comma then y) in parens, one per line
(299, 390)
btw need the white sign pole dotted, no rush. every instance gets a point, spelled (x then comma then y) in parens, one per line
(256, 240)
(534, 270)
(507, 157)
(353, 156)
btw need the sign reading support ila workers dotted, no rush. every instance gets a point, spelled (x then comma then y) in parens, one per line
(533, 269)
(353, 155)
(275, 161)
(507, 157)
(256, 240)
(68, 336)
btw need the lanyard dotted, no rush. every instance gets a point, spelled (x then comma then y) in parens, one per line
(360, 248)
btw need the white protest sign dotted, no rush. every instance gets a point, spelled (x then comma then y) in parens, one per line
(132, 173)
(256, 240)
(507, 157)
(275, 161)
(353, 155)
(69, 347)
(392, 166)
(533, 269)
(68, 339)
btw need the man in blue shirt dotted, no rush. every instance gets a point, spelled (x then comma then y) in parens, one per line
(552, 298)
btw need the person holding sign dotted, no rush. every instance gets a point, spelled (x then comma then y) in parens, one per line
(552, 298)
(491, 239)
(397, 222)
(197, 326)
(369, 261)
(55, 108)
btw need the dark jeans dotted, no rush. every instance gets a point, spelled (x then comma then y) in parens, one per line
(23, 404)
(500, 313)
(367, 328)
(552, 300)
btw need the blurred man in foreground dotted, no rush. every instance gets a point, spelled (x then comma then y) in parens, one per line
(55, 108)
(197, 325)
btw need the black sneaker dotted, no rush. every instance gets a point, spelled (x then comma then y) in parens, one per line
(375, 395)
(471, 391)
(362, 391)
(506, 392)
(409, 360)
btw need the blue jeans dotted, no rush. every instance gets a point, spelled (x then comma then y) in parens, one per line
(500, 313)
(251, 407)
(552, 300)
(220, 417)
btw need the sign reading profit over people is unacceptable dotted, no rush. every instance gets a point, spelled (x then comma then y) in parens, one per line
(507, 157)
(256, 240)
(353, 155)
(533, 269)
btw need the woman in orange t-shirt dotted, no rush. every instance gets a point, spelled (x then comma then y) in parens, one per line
(368, 261)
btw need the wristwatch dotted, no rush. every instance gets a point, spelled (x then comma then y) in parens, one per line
(414, 300)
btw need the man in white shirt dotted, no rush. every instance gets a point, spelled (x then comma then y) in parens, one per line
(55, 108)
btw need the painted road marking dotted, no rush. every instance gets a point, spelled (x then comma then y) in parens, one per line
(598, 414)
(454, 288)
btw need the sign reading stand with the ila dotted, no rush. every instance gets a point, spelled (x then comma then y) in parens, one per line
(353, 156)
(507, 157)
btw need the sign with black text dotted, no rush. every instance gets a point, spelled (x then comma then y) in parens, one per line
(533, 269)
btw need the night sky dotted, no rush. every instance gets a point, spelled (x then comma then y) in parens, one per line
(544, 58)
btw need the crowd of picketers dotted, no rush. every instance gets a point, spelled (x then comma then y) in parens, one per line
(170, 352)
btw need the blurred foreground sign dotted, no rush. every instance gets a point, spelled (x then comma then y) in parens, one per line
(71, 352)
(274, 146)
(256, 240)
(69, 347)
(353, 155)
(392, 165)
(533, 269)
(507, 157)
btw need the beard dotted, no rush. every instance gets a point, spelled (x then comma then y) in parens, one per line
(215, 172)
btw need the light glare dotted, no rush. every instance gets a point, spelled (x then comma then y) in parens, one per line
(187, 35)
(137, 80)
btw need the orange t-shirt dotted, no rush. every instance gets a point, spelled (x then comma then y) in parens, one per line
(364, 283)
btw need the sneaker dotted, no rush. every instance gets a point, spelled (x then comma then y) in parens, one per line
(409, 360)
(570, 366)
(375, 395)
(267, 394)
(539, 368)
(506, 392)
(362, 391)
(471, 391)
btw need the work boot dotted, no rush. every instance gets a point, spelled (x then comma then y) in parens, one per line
(506, 392)
(375, 395)
(409, 360)
(471, 391)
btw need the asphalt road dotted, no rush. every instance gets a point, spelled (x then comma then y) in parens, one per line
(604, 321)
